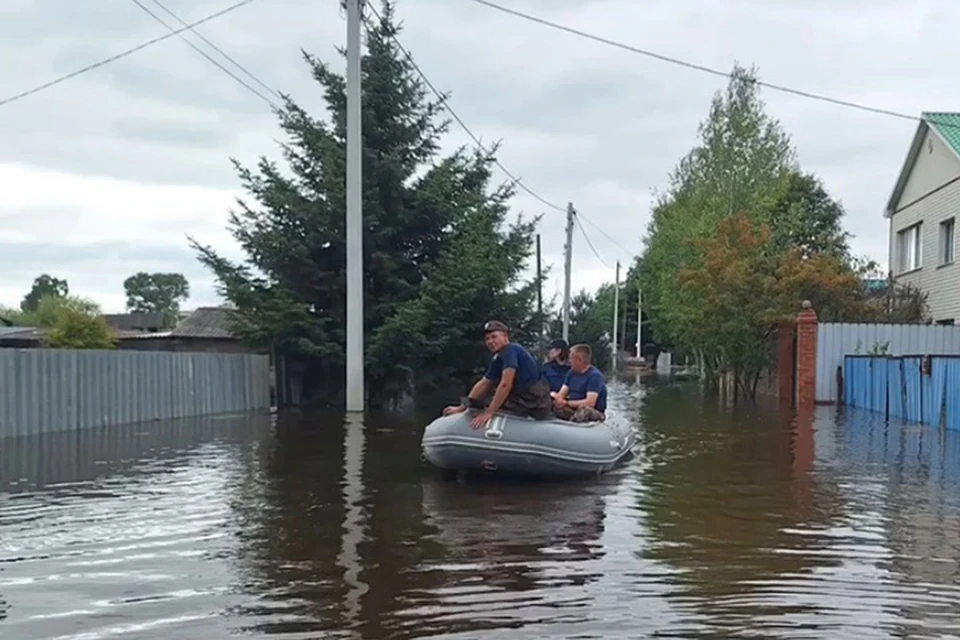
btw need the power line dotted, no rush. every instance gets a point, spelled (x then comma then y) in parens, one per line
(443, 100)
(606, 235)
(583, 231)
(446, 104)
(692, 65)
(123, 54)
(218, 50)
(206, 55)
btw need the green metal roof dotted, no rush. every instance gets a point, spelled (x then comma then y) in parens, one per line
(947, 125)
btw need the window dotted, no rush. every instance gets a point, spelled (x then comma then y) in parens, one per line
(947, 241)
(908, 248)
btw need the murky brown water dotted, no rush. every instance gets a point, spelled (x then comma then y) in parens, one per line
(728, 524)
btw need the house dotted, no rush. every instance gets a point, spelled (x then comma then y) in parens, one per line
(207, 329)
(204, 330)
(12, 337)
(922, 211)
(135, 322)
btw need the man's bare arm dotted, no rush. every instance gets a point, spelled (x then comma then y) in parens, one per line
(589, 401)
(503, 390)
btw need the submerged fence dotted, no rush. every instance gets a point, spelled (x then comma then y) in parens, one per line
(924, 389)
(836, 340)
(44, 390)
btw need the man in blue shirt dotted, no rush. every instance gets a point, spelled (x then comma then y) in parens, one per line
(583, 397)
(555, 369)
(514, 377)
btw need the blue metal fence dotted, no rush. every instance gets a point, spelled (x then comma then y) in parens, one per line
(45, 390)
(922, 389)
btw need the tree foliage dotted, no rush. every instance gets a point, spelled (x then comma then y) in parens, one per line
(157, 293)
(69, 322)
(44, 286)
(741, 237)
(75, 329)
(738, 294)
(590, 323)
(439, 258)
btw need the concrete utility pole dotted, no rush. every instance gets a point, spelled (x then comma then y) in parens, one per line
(616, 314)
(354, 223)
(567, 267)
(639, 321)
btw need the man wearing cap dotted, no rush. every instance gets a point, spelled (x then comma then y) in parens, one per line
(556, 367)
(514, 377)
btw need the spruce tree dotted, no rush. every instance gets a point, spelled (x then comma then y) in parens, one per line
(438, 258)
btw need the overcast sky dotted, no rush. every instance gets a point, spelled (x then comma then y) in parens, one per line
(104, 175)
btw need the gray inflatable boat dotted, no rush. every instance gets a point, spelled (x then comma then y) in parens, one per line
(515, 445)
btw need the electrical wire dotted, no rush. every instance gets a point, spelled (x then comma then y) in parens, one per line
(576, 219)
(223, 53)
(695, 66)
(123, 54)
(207, 56)
(453, 114)
(446, 105)
(607, 236)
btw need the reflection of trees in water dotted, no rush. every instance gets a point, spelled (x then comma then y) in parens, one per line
(33, 462)
(721, 488)
(503, 543)
(290, 510)
(288, 513)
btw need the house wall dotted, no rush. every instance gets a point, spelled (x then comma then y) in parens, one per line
(925, 199)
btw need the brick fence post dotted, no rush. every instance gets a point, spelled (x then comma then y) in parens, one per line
(806, 356)
(785, 365)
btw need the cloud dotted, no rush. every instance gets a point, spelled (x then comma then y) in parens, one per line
(103, 175)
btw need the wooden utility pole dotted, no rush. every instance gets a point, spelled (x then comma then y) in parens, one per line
(539, 302)
(616, 315)
(567, 267)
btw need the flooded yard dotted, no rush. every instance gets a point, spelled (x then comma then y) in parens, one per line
(729, 523)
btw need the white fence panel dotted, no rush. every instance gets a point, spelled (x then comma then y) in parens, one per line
(835, 340)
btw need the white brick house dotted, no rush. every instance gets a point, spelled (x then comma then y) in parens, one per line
(922, 211)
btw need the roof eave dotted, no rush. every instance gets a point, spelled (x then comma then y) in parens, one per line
(906, 168)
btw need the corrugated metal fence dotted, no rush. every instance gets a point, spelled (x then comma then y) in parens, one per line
(924, 389)
(43, 390)
(836, 340)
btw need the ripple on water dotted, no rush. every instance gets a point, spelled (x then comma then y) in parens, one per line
(718, 529)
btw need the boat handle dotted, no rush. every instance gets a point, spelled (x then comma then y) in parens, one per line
(489, 465)
(493, 434)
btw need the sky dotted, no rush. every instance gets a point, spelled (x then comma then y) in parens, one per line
(105, 174)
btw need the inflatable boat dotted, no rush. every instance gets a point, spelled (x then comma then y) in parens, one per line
(516, 445)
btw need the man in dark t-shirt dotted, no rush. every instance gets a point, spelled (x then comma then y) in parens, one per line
(583, 396)
(555, 369)
(514, 377)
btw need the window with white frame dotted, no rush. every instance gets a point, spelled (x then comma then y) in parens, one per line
(909, 248)
(947, 241)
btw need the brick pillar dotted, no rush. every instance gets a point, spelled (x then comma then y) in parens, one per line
(806, 356)
(785, 370)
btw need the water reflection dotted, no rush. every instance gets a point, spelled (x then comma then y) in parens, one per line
(730, 523)
(354, 517)
(105, 530)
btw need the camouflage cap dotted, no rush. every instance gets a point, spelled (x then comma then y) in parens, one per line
(495, 325)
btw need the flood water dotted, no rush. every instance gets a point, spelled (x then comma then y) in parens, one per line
(728, 524)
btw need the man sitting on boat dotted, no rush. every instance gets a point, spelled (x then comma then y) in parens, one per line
(583, 396)
(555, 369)
(514, 377)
